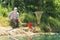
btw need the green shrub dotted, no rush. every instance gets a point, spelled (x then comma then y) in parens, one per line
(27, 17)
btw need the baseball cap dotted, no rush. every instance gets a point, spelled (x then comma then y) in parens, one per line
(15, 8)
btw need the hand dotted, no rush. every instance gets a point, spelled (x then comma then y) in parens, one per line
(14, 17)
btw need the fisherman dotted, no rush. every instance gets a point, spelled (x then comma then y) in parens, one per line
(14, 18)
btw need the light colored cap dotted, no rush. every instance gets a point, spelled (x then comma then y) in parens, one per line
(15, 8)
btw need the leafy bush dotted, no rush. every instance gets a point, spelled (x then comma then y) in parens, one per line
(4, 11)
(27, 17)
(4, 21)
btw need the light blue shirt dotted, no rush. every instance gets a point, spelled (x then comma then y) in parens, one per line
(11, 15)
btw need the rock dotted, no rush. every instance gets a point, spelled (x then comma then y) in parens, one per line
(4, 31)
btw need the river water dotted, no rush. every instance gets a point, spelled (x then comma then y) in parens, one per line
(55, 36)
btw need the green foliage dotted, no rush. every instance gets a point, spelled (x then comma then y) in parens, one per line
(4, 11)
(51, 11)
(50, 17)
(4, 21)
(27, 17)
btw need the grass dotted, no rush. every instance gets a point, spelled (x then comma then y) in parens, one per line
(4, 21)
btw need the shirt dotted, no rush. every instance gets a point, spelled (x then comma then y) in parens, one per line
(11, 15)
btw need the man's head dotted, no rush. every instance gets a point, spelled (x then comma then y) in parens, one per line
(15, 9)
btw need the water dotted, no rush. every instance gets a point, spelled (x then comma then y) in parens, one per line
(34, 37)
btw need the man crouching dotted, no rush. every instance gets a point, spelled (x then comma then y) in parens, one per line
(14, 16)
